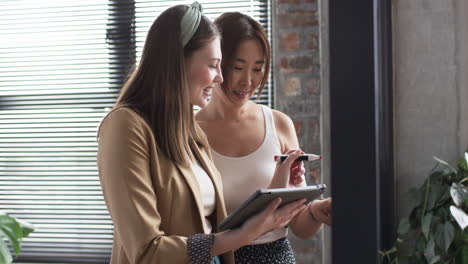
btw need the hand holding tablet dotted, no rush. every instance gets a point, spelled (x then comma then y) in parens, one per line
(260, 199)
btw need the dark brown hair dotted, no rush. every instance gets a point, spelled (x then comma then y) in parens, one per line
(158, 90)
(236, 27)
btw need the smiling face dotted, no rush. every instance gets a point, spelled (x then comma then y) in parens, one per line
(246, 72)
(203, 72)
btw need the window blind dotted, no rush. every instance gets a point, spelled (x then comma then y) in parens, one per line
(55, 84)
(61, 66)
(260, 10)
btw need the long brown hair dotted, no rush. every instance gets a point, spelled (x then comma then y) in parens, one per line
(158, 90)
(236, 27)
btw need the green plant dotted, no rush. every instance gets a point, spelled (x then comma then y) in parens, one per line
(435, 231)
(14, 230)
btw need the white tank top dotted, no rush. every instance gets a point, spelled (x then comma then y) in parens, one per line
(207, 192)
(242, 176)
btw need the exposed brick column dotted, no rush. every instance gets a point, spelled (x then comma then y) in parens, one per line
(297, 90)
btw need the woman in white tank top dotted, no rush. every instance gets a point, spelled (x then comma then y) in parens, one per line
(245, 136)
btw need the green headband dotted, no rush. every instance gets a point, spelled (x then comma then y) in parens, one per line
(190, 22)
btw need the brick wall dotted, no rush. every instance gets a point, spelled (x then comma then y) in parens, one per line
(297, 90)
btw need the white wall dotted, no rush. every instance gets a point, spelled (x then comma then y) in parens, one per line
(430, 95)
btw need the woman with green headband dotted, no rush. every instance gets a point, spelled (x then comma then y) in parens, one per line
(160, 185)
(244, 137)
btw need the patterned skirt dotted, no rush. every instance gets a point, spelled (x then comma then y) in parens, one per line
(278, 251)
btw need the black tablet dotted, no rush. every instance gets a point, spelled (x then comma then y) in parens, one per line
(261, 198)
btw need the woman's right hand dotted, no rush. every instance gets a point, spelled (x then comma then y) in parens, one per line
(281, 177)
(272, 218)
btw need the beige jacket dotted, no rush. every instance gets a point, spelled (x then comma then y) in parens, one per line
(155, 204)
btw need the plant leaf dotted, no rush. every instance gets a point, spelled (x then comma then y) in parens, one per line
(449, 235)
(434, 259)
(5, 255)
(26, 227)
(6, 220)
(426, 224)
(415, 198)
(463, 165)
(445, 196)
(444, 236)
(435, 191)
(406, 247)
(462, 256)
(445, 163)
(420, 244)
(406, 260)
(459, 193)
(460, 216)
(12, 230)
(404, 226)
(429, 253)
(15, 242)
(439, 236)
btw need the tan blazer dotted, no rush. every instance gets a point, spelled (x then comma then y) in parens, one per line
(154, 204)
